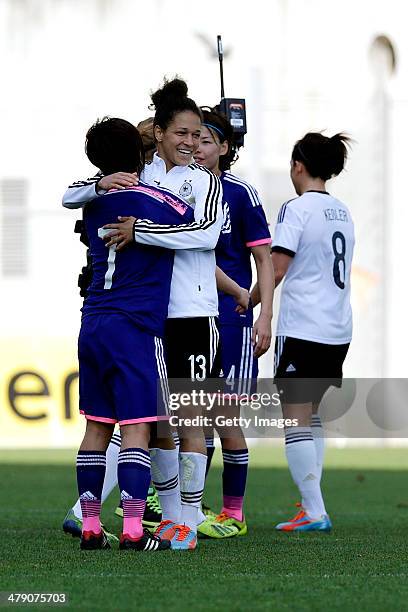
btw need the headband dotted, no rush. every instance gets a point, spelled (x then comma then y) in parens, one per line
(213, 127)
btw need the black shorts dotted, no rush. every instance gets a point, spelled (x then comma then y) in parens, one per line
(304, 370)
(192, 348)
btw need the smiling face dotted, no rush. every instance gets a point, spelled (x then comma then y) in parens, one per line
(210, 150)
(177, 144)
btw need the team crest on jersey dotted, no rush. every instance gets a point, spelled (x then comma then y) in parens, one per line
(186, 189)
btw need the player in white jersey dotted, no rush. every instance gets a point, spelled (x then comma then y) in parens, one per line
(241, 341)
(193, 296)
(312, 250)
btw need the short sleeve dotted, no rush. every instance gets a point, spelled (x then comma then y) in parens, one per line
(256, 227)
(224, 240)
(288, 230)
(256, 230)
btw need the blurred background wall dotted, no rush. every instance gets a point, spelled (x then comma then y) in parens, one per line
(301, 65)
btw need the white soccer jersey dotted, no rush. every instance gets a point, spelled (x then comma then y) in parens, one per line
(318, 232)
(193, 285)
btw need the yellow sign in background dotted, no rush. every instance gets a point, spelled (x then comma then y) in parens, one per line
(39, 393)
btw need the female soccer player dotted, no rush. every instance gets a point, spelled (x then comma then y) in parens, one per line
(312, 250)
(120, 343)
(241, 341)
(191, 335)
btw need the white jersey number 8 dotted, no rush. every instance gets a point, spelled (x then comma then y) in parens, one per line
(339, 263)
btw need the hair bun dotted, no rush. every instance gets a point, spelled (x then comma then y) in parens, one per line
(171, 92)
(323, 157)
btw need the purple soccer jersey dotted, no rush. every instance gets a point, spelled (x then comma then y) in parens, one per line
(121, 359)
(249, 228)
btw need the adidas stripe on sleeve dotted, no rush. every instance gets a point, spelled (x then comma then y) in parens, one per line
(288, 230)
(81, 192)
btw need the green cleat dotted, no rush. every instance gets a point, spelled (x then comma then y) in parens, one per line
(73, 526)
(112, 539)
(211, 528)
(224, 519)
(153, 513)
(207, 511)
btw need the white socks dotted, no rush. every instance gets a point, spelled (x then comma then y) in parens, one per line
(192, 478)
(165, 477)
(318, 438)
(302, 459)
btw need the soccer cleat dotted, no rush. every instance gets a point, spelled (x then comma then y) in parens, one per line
(147, 542)
(211, 528)
(229, 521)
(305, 523)
(73, 525)
(299, 515)
(166, 530)
(207, 511)
(152, 515)
(94, 541)
(183, 538)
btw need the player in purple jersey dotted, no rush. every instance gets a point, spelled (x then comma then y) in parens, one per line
(120, 343)
(241, 341)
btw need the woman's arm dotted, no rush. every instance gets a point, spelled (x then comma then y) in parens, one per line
(229, 286)
(262, 330)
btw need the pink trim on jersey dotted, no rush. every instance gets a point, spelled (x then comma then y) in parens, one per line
(99, 419)
(128, 421)
(144, 420)
(164, 197)
(179, 206)
(258, 242)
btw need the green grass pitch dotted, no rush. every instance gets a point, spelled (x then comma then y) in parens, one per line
(362, 565)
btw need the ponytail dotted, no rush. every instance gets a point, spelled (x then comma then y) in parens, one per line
(322, 157)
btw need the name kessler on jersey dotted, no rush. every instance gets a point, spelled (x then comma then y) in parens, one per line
(336, 214)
